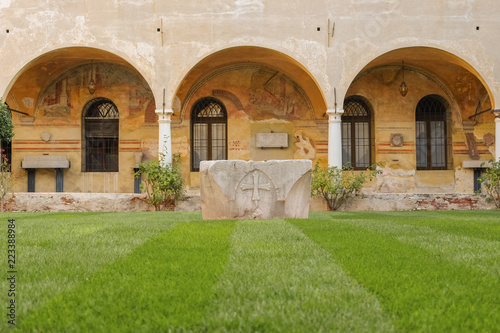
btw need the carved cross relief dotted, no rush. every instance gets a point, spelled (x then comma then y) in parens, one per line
(255, 186)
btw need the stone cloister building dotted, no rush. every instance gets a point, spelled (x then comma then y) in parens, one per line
(106, 84)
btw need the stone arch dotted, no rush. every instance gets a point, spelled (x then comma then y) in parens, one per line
(40, 72)
(432, 61)
(248, 55)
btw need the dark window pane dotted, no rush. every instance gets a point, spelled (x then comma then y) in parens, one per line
(346, 143)
(101, 129)
(430, 129)
(208, 131)
(356, 141)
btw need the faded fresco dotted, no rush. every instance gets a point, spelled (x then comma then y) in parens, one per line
(67, 94)
(258, 92)
(273, 94)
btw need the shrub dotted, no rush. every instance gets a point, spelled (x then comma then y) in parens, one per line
(5, 178)
(6, 134)
(6, 126)
(162, 183)
(490, 180)
(336, 185)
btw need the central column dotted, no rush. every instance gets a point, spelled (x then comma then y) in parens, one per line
(334, 137)
(497, 134)
(165, 136)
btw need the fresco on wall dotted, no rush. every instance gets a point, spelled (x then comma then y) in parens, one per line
(56, 102)
(273, 94)
(258, 92)
(67, 94)
(305, 146)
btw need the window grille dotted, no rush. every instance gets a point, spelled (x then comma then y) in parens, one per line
(430, 128)
(208, 131)
(100, 136)
(356, 133)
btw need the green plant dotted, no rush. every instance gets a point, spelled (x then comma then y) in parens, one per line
(336, 185)
(6, 126)
(162, 183)
(490, 180)
(6, 135)
(418, 271)
(6, 183)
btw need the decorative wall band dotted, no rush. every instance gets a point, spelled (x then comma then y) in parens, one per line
(46, 143)
(46, 149)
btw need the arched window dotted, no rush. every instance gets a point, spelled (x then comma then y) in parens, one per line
(208, 131)
(431, 133)
(100, 136)
(356, 123)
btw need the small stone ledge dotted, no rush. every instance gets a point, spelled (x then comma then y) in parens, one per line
(409, 202)
(76, 202)
(129, 202)
(89, 202)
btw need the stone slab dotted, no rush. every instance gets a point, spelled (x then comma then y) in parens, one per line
(255, 189)
(45, 162)
(475, 164)
(271, 140)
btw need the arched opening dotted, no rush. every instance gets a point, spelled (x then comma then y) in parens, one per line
(262, 91)
(100, 134)
(208, 131)
(60, 116)
(432, 143)
(424, 137)
(356, 133)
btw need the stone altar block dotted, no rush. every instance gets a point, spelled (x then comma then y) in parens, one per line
(255, 190)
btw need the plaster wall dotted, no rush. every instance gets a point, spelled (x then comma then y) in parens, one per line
(56, 129)
(257, 99)
(146, 53)
(395, 114)
(333, 40)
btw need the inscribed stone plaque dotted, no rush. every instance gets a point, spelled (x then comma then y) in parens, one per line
(271, 140)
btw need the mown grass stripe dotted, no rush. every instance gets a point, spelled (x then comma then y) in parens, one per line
(163, 284)
(479, 224)
(426, 293)
(277, 280)
(475, 253)
(56, 251)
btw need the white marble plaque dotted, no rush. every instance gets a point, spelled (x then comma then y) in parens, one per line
(271, 140)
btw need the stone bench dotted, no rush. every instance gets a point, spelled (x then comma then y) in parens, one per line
(31, 163)
(255, 190)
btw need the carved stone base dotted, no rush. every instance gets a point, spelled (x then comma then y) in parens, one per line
(255, 190)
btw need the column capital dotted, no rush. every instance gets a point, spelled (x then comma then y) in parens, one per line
(336, 111)
(334, 114)
(496, 113)
(166, 111)
(164, 115)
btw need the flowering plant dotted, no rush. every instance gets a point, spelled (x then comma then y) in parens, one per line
(490, 181)
(336, 185)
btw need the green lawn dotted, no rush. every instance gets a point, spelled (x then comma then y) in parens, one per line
(334, 272)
